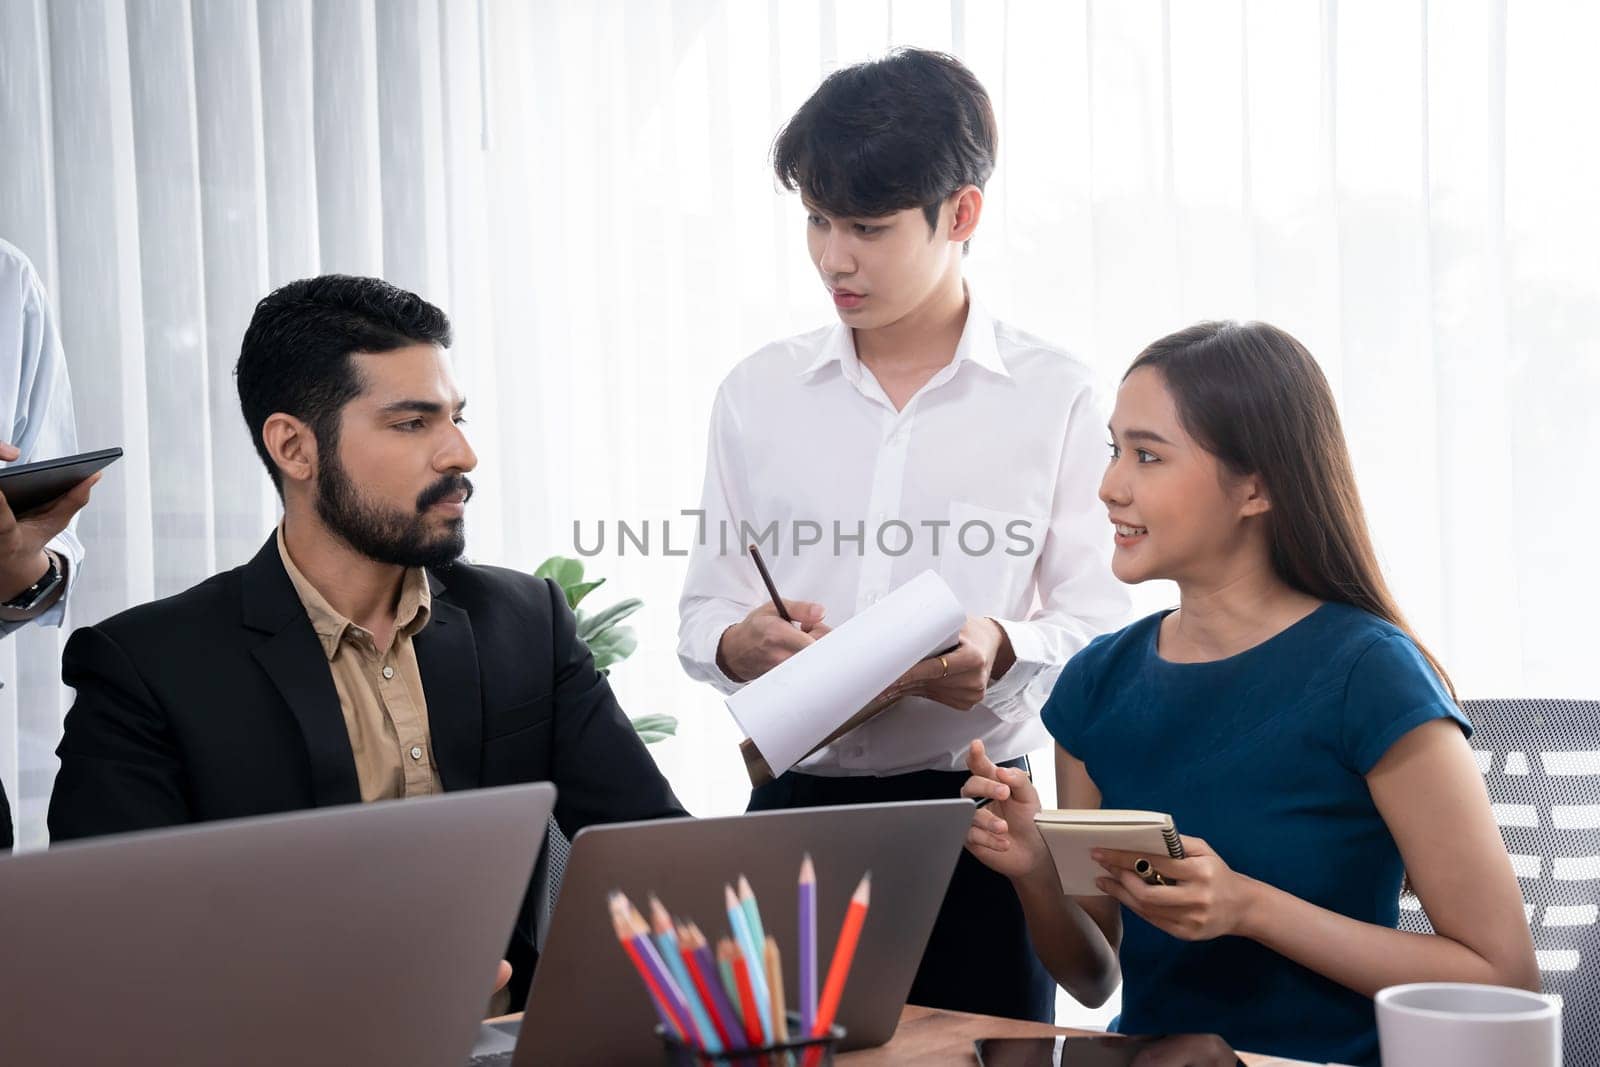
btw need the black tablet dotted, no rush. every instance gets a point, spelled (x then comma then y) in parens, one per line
(31, 486)
(1111, 1050)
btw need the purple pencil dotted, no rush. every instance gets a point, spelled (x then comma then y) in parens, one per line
(676, 1003)
(719, 996)
(625, 935)
(808, 944)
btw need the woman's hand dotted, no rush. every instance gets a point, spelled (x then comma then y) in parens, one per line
(1002, 835)
(1206, 898)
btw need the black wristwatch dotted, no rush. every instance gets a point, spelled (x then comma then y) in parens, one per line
(36, 593)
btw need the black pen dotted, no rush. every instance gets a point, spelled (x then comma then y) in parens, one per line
(772, 590)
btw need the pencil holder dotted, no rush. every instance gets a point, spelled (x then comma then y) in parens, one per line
(799, 1052)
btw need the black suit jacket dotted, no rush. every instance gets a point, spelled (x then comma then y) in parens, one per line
(219, 703)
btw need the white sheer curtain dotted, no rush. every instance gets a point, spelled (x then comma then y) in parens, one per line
(582, 185)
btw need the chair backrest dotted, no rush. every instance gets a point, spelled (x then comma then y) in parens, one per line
(1541, 762)
(547, 876)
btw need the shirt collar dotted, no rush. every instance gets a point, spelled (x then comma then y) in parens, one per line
(411, 614)
(977, 345)
(978, 342)
(837, 344)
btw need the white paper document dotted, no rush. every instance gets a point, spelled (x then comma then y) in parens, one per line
(797, 705)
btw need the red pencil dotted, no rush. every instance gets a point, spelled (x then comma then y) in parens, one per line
(686, 948)
(624, 932)
(843, 953)
(747, 993)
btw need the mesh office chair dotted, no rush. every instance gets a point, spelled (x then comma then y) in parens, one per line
(552, 866)
(1541, 762)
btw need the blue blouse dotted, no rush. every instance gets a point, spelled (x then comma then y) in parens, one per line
(1263, 755)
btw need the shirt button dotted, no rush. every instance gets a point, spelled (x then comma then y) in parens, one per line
(416, 752)
(388, 672)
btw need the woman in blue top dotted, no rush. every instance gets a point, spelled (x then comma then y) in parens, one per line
(1283, 714)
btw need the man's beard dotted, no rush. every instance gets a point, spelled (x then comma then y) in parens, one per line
(386, 534)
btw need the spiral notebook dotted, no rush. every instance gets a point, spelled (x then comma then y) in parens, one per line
(1070, 833)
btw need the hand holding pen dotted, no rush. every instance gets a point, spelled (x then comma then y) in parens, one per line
(770, 634)
(1002, 835)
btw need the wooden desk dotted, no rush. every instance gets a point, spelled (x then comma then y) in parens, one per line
(931, 1036)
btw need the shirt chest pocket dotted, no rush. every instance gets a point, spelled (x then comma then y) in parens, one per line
(987, 556)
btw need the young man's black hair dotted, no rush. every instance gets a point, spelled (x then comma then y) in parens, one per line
(907, 130)
(295, 357)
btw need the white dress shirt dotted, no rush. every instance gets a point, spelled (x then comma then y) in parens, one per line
(848, 499)
(35, 397)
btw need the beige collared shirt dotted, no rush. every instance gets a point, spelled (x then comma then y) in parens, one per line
(380, 690)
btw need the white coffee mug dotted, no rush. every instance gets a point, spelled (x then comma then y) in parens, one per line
(1458, 1024)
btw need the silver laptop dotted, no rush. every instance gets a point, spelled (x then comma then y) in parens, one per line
(366, 934)
(587, 1004)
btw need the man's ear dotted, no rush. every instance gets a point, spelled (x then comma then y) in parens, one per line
(292, 446)
(1253, 499)
(966, 209)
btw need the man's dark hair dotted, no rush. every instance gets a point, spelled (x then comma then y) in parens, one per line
(296, 352)
(907, 130)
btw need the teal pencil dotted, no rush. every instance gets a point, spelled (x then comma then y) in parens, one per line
(753, 960)
(752, 912)
(667, 940)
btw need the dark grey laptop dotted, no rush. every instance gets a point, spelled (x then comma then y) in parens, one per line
(366, 934)
(587, 1004)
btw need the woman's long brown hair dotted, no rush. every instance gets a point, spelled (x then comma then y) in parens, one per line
(1252, 396)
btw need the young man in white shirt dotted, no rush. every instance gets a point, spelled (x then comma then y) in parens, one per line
(915, 433)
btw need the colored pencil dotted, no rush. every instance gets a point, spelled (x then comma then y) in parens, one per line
(625, 937)
(808, 944)
(719, 976)
(667, 941)
(750, 952)
(774, 962)
(752, 912)
(747, 997)
(729, 986)
(677, 1003)
(723, 1018)
(843, 953)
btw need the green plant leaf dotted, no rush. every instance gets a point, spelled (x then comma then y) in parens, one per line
(613, 646)
(577, 592)
(566, 571)
(653, 728)
(591, 626)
